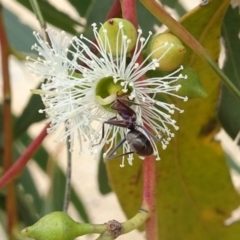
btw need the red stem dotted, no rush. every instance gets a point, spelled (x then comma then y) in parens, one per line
(149, 164)
(11, 207)
(129, 11)
(19, 165)
(149, 196)
(115, 10)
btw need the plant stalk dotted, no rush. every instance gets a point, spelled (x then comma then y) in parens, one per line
(149, 164)
(11, 207)
(67, 194)
(115, 10)
(149, 196)
(129, 11)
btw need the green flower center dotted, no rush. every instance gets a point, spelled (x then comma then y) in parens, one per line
(107, 91)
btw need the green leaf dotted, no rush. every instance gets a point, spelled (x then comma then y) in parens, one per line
(176, 5)
(54, 16)
(57, 191)
(228, 112)
(82, 7)
(170, 3)
(103, 183)
(19, 35)
(192, 86)
(233, 164)
(55, 199)
(79, 206)
(29, 115)
(194, 193)
(33, 210)
(146, 19)
(30, 189)
(42, 206)
(28, 203)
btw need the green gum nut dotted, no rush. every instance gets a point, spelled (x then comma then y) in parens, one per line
(54, 226)
(111, 32)
(191, 87)
(169, 59)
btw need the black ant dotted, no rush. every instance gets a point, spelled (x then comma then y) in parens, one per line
(137, 141)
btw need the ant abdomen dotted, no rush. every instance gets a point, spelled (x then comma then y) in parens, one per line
(139, 143)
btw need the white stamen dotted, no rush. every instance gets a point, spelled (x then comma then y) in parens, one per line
(71, 100)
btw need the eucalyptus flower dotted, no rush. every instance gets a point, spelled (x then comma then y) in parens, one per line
(83, 79)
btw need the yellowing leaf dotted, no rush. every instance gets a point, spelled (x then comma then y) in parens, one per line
(194, 194)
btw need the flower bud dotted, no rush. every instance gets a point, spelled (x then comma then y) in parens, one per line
(168, 49)
(53, 226)
(191, 87)
(116, 32)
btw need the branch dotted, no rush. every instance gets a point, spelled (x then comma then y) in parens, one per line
(7, 128)
(129, 11)
(149, 196)
(115, 10)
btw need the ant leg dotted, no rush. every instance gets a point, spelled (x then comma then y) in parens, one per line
(116, 148)
(103, 131)
(120, 155)
(102, 135)
(117, 123)
(121, 100)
